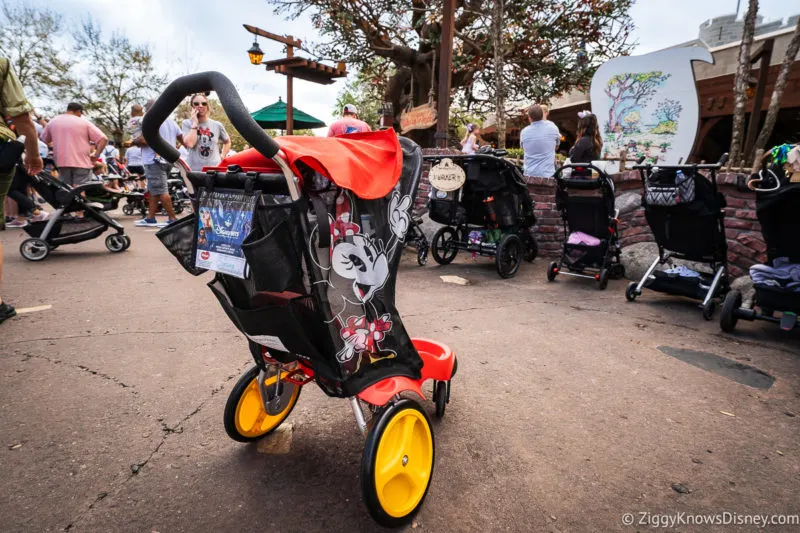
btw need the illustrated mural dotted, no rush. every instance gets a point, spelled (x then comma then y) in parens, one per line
(647, 105)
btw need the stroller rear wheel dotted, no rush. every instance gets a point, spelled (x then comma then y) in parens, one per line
(116, 243)
(443, 248)
(34, 249)
(552, 271)
(602, 281)
(245, 418)
(422, 253)
(531, 247)
(127, 209)
(728, 318)
(630, 291)
(397, 465)
(509, 255)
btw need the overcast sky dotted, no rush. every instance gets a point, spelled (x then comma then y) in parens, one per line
(197, 35)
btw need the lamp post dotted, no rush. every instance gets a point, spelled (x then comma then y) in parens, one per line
(292, 67)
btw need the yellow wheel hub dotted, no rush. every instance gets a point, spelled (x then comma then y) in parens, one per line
(251, 418)
(403, 463)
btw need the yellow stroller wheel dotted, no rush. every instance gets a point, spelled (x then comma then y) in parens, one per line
(397, 465)
(245, 418)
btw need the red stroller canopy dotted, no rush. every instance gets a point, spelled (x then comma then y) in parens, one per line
(369, 164)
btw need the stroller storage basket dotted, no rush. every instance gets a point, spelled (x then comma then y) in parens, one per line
(274, 248)
(68, 231)
(178, 238)
(283, 322)
(777, 299)
(580, 256)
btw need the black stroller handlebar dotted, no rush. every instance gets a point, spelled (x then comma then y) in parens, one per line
(705, 166)
(600, 171)
(231, 103)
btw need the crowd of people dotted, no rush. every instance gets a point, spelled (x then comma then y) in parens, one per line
(72, 149)
(540, 141)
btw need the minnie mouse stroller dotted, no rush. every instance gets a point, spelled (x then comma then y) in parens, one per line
(316, 298)
(777, 283)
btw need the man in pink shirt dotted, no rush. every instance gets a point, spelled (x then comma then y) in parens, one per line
(349, 123)
(72, 136)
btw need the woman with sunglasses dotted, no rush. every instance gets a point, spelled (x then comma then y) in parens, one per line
(202, 136)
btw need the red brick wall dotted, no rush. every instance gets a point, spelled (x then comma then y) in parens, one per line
(745, 243)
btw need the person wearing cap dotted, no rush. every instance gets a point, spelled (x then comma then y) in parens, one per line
(349, 123)
(156, 170)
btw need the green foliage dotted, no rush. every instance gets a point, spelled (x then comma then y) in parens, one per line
(31, 38)
(668, 127)
(515, 153)
(549, 46)
(116, 75)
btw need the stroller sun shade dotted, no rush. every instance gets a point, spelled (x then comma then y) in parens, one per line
(368, 164)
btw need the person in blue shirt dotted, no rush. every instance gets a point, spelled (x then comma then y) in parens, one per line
(539, 141)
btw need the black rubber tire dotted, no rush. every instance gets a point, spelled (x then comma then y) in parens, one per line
(709, 308)
(127, 209)
(440, 397)
(127, 240)
(531, 248)
(422, 255)
(115, 243)
(178, 207)
(42, 247)
(728, 318)
(509, 255)
(229, 414)
(552, 271)
(630, 291)
(602, 281)
(368, 489)
(440, 239)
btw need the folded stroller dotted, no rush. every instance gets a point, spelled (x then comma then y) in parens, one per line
(591, 238)
(776, 284)
(685, 212)
(61, 227)
(306, 240)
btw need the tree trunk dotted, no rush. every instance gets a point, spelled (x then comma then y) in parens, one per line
(777, 91)
(500, 97)
(740, 83)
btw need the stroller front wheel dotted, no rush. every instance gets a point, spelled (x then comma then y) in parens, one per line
(630, 291)
(116, 243)
(397, 465)
(245, 418)
(34, 249)
(509, 255)
(443, 248)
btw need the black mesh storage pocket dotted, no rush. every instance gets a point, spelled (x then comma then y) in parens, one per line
(284, 324)
(441, 211)
(179, 239)
(274, 249)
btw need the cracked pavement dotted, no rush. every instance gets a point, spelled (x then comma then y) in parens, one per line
(564, 413)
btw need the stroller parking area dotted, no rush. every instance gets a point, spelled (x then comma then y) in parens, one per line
(571, 408)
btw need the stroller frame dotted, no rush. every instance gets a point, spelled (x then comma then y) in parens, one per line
(767, 300)
(266, 393)
(610, 265)
(47, 235)
(517, 242)
(718, 259)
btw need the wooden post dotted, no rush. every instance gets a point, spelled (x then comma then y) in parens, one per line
(445, 68)
(755, 115)
(289, 93)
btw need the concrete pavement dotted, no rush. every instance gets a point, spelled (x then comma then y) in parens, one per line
(564, 414)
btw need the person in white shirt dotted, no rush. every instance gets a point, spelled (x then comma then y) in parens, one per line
(539, 141)
(469, 144)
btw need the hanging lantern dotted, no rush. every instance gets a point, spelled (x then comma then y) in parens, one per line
(255, 53)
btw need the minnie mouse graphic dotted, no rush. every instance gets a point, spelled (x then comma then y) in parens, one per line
(359, 257)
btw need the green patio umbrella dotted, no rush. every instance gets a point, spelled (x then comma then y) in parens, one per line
(274, 117)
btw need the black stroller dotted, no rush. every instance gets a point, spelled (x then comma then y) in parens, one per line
(61, 227)
(591, 237)
(491, 214)
(313, 291)
(685, 212)
(416, 238)
(777, 202)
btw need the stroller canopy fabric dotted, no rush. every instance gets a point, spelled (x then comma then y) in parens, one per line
(369, 164)
(274, 116)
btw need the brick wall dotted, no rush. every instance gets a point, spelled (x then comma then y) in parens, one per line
(745, 243)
